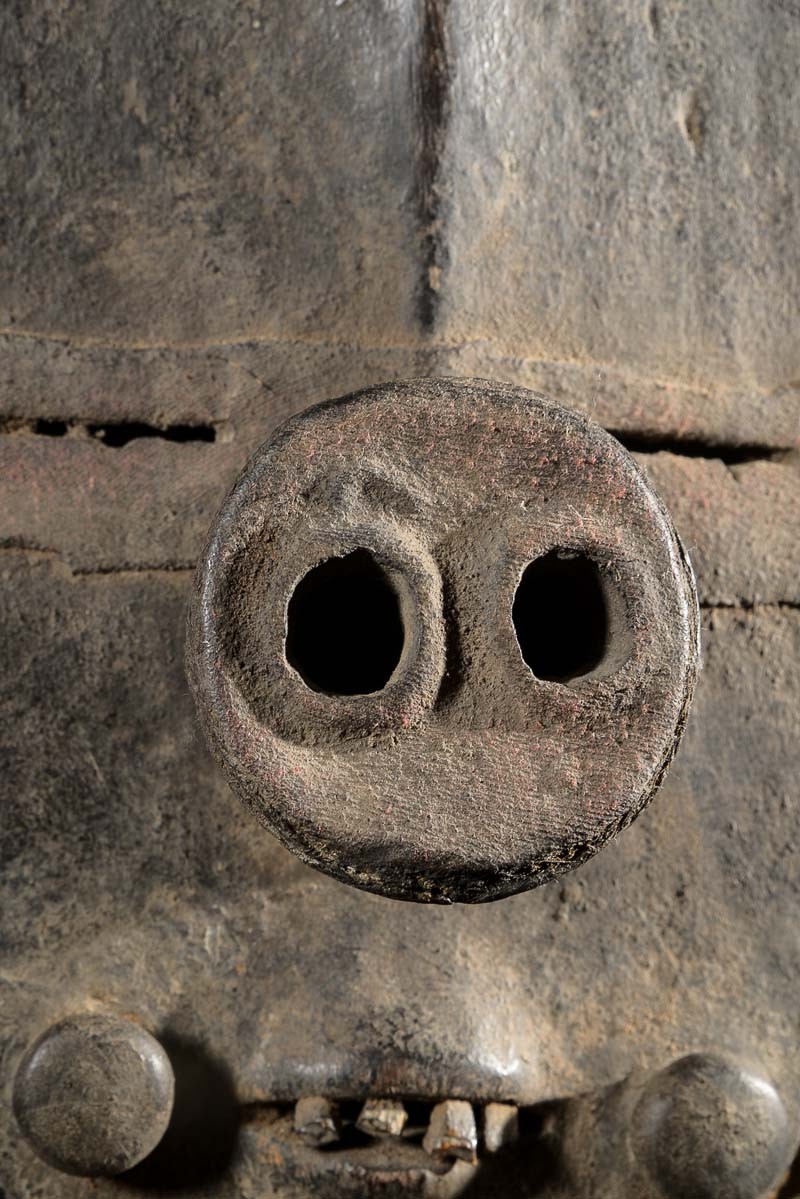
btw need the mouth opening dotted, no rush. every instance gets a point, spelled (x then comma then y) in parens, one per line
(401, 1137)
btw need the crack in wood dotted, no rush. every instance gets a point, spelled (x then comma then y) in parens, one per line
(113, 434)
(56, 560)
(745, 605)
(696, 447)
(119, 434)
(433, 86)
(177, 569)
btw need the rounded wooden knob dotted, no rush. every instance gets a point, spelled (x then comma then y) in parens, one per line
(444, 639)
(705, 1128)
(93, 1095)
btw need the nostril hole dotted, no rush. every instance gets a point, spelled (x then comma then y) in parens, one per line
(344, 627)
(561, 616)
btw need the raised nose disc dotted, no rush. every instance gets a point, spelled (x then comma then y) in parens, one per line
(444, 639)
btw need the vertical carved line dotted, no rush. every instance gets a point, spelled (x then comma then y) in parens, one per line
(433, 88)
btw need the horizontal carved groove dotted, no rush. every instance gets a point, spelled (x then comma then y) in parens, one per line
(114, 434)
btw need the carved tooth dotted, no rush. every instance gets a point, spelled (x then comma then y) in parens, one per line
(500, 1126)
(382, 1118)
(316, 1120)
(452, 1131)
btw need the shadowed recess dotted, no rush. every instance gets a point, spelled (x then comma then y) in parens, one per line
(200, 1142)
(690, 447)
(114, 434)
(434, 71)
(344, 630)
(561, 617)
(117, 435)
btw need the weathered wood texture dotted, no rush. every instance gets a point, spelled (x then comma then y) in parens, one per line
(217, 214)
(457, 774)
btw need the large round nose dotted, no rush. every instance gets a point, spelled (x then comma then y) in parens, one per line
(444, 639)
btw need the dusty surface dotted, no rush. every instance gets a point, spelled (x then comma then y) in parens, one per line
(216, 218)
(122, 890)
(465, 773)
(94, 1095)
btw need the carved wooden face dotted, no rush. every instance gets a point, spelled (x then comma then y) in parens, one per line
(215, 216)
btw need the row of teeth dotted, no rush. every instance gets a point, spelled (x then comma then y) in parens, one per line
(452, 1131)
